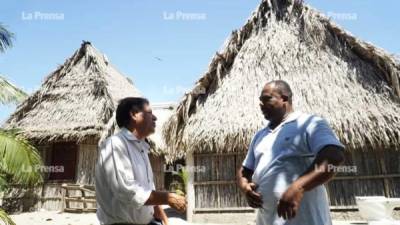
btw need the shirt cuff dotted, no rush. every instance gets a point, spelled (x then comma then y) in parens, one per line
(140, 197)
(319, 147)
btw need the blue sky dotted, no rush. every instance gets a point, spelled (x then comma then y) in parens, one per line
(153, 41)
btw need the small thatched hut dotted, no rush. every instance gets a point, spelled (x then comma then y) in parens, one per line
(163, 112)
(351, 83)
(68, 116)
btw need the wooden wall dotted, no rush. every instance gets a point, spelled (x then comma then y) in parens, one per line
(157, 164)
(49, 195)
(215, 182)
(87, 158)
(377, 173)
(46, 196)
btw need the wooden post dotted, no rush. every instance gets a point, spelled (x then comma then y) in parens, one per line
(67, 200)
(190, 187)
(84, 199)
(386, 183)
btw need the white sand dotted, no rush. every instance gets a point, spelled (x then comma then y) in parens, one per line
(57, 218)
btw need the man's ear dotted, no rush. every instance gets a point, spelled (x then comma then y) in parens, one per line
(133, 116)
(285, 98)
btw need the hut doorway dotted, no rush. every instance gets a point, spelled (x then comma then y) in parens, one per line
(63, 158)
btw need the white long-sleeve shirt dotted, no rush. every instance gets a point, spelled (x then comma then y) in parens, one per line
(124, 180)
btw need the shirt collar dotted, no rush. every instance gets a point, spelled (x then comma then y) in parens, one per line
(131, 137)
(291, 117)
(128, 135)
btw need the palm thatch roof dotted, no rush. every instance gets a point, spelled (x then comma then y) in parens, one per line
(351, 83)
(163, 111)
(9, 93)
(75, 102)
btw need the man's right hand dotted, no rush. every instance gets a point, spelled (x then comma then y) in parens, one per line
(177, 202)
(254, 199)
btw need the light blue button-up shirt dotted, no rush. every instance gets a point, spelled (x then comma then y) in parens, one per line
(124, 180)
(279, 156)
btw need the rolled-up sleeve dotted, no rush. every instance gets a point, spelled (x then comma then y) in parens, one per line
(119, 174)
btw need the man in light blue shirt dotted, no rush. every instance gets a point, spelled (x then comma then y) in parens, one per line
(288, 162)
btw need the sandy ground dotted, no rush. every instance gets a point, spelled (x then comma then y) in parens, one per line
(57, 218)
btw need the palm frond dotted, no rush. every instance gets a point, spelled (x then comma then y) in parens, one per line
(5, 218)
(3, 183)
(6, 38)
(10, 93)
(19, 159)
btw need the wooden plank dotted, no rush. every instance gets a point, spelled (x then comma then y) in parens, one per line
(77, 210)
(379, 176)
(83, 198)
(217, 154)
(225, 209)
(80, 189)
(190, 191)
(66, 196)
(87, 197)
(40, 199)
(215, 182)
(80, 199)
(384, 171)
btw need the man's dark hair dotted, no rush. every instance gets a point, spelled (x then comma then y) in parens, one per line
(126, 106)
(283, 88)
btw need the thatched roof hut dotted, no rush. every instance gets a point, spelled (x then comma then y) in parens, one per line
(67, 118)
(351, 83)
(76, 101)
(163, 112)
(9, 93)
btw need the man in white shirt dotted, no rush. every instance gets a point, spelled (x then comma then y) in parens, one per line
(125, 190)
(288, 162)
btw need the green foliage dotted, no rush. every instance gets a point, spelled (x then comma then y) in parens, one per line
(6, 38)
(6, 220)
(20, 161)
(184, 176)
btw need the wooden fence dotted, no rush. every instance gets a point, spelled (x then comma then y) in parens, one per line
(79, 198)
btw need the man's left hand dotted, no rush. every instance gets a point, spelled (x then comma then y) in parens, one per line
(289, 203)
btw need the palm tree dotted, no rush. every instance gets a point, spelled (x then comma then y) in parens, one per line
(6, 38)
(20, 161)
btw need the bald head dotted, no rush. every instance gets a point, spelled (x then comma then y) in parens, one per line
(282, 87)
(276, 101)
